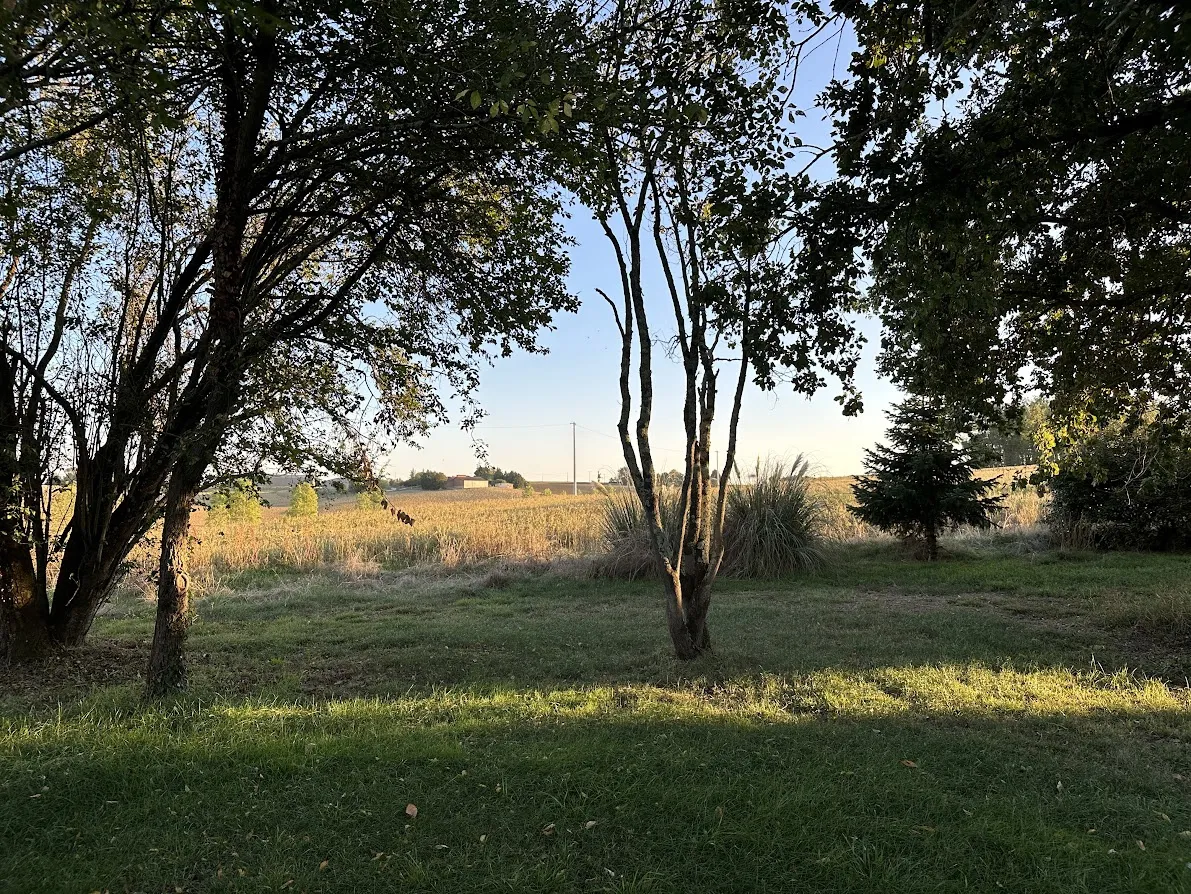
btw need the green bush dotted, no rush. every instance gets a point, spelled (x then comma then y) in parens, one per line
(303, 500)
(370, 500)
(496, 473)
(235, 502)
(629, 550)
(1125, 485)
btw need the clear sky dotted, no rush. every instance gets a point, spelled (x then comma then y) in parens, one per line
(530, 400)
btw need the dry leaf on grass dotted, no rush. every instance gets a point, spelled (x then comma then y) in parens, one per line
(411, 810)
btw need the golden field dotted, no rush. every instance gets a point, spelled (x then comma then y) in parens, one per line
(450, 528)
(453, 528)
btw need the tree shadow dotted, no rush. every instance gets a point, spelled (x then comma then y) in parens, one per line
(570, 791)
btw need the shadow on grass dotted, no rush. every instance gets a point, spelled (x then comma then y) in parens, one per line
(596, 790)
(883, 727)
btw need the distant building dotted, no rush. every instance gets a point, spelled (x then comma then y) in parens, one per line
(508, 485)
(459, 482)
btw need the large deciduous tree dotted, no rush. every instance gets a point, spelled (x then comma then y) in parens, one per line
(327, 200)
(696, 175)
(1022, 188)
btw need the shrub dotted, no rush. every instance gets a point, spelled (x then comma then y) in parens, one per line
(772, 526)
(629, 550)
(1125, 485)
(370, 500)
(303, 500)
(237, 502)
(922, 483)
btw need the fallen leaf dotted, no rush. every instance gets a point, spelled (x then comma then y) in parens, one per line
(411, 810)
(1141, 845)
(548, 829)
(589, 824)
(1186, 833)
(483, 838)
(1164, 817)
(909, 763)
(322, 867)
(379, 854)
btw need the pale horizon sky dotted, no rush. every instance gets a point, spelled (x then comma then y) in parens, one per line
(530, 400)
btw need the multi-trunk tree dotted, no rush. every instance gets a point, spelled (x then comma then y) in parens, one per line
(695, 175)
(323, 204)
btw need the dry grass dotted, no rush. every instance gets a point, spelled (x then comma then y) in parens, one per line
(451, 528)
(1021, 508)
(460, 528)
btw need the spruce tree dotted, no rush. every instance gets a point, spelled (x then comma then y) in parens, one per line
(921, 483)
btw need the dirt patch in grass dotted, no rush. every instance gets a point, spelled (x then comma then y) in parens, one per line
(71, 672)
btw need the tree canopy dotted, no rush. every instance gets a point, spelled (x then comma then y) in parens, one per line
(322, 227)
(1020, 182)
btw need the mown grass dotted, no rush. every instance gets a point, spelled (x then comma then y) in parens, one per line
(992, 722)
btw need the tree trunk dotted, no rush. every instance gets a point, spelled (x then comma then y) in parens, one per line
(167, 660)
(688, 601)
(932, 545)
(75, 608)
(24, 611)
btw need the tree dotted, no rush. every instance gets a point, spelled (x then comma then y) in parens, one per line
(495, 473)
(428, 480)
(693, 165)
(921, 483)
(1023, 194)
(1125, 482)
(326, 169)
(303, 501)
(1011, 440)
(78, 65)
(370, 499)
(236, 502)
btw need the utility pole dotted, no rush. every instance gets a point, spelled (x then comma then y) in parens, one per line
(574, 462)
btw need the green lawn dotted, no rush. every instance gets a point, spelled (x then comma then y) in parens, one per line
(990, 723)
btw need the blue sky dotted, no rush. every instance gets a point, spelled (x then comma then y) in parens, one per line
(530, 400)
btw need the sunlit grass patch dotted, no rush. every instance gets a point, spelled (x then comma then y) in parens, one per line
(879, 726)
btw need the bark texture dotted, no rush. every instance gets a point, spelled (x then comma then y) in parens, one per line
(24, 615)
(167, 665)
